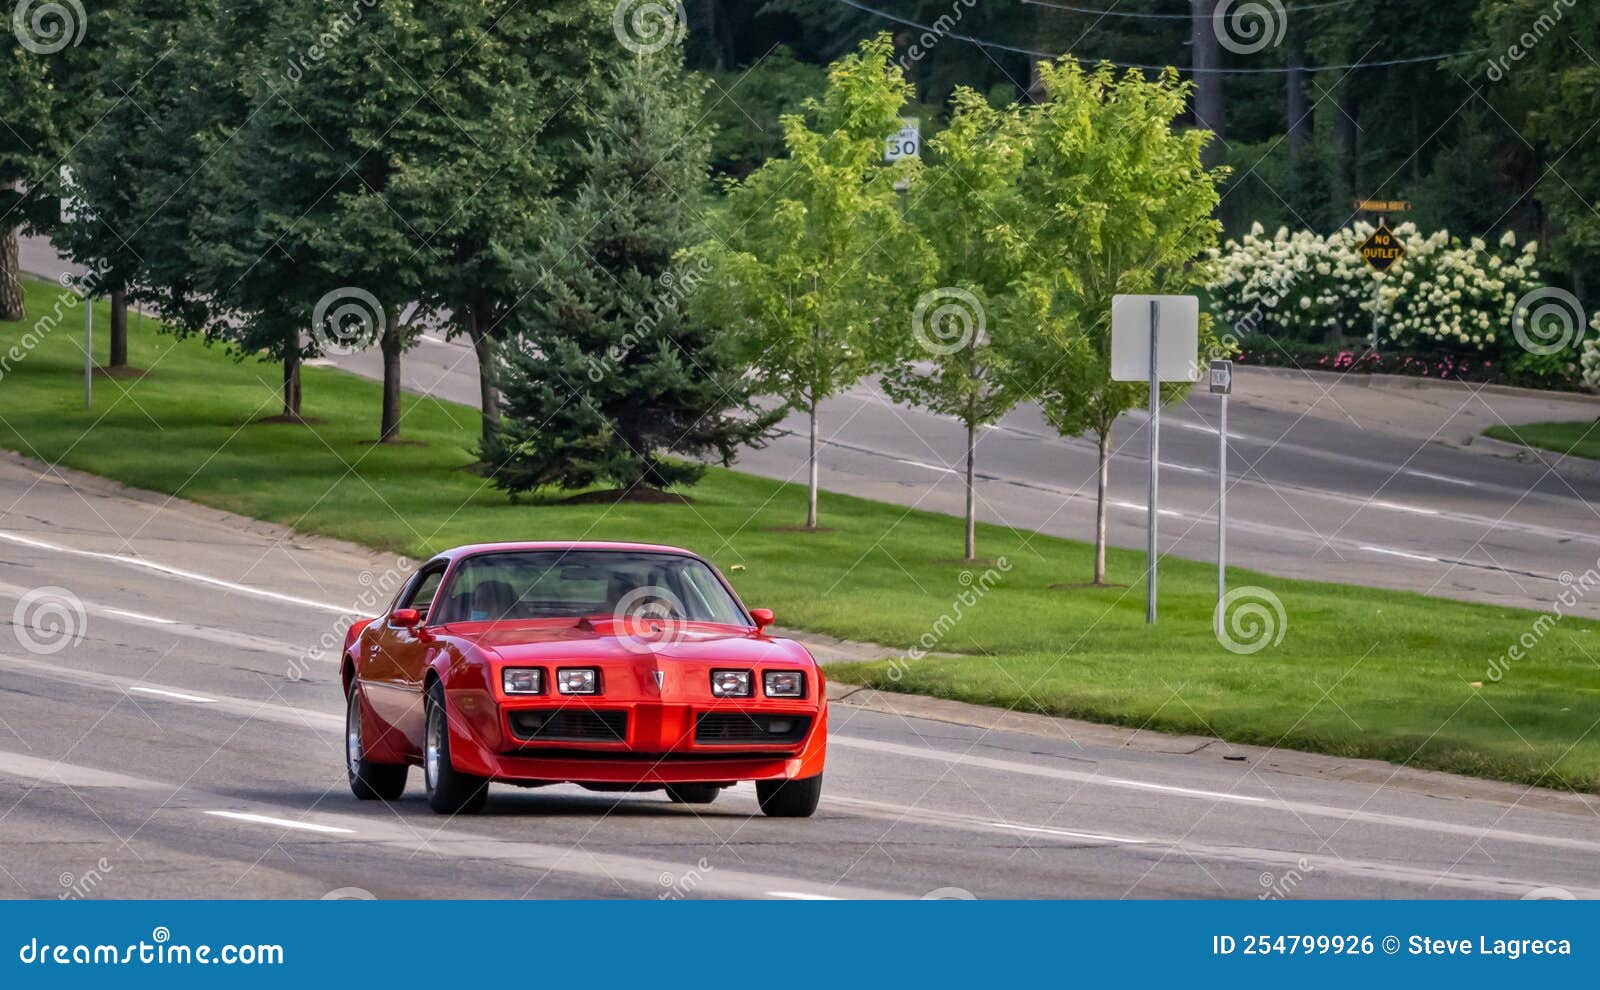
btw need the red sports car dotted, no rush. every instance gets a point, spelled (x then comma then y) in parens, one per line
(620, 667)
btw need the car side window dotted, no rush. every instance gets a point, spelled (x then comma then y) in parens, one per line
(421, 596)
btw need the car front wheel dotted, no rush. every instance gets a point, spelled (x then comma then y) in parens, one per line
(369, 781)
(450, 792)
(789, 798)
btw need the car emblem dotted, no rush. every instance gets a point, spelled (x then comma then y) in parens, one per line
(661, 678)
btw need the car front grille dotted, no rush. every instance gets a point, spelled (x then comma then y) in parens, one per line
(735, 728)
(570, 725)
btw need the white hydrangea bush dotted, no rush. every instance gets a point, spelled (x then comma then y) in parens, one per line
(1442, 295)
(1591, 356)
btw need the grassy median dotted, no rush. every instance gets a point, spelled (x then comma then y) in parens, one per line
(1575, 439)
(1358, 671)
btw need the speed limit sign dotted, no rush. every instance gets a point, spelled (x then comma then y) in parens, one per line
(906, 142)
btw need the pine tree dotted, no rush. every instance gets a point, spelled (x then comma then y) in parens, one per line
(608, 373)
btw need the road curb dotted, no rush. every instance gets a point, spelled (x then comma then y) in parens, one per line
(1259, 758)
(1401, 383)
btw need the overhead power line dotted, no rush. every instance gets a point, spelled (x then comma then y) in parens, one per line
(999, 46)
(1168, 17)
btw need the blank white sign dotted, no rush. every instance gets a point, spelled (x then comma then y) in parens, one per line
(1178, 352)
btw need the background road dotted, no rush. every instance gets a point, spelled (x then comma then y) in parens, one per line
(1380, 482)
(179, 736)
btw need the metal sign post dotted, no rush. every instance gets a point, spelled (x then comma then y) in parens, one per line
(88, 352)
(1222, 384)
(1155, 459)
(1154, 339)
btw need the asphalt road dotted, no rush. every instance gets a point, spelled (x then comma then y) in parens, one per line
(1335, 478)
(177, 734)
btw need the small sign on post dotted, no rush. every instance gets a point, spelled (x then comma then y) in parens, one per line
(1382, 249)
(1222, 385)
(906, 142)
(1154, 338)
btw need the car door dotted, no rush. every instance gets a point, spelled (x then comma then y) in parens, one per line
(397, 657)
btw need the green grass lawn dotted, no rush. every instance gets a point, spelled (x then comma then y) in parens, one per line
(1359, 672)
(1577, 439)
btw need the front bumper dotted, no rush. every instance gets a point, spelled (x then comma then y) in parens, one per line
(643, 742)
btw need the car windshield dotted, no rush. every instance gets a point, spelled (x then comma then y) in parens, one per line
(547, 584)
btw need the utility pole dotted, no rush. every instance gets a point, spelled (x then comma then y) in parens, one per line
(1209, 111)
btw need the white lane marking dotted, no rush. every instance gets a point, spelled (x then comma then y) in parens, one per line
(1066, 834)
(1397, 507)
(1079, 776)
(948, 819)
(150, 565)
(1401, 553)
(140, 617)
(53, 772)
(430, 338)
(245, 816)
(173, 694)
(1478, 833)
(1443, 477)
(792, 895)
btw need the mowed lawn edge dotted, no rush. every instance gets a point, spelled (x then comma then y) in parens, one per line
(1575, 439)
(1345, 670)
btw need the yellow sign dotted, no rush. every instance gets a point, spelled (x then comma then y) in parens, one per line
(1383, 205)
(1382, 249)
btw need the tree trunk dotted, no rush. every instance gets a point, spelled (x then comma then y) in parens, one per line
(12, 305)
(291, 384)
(811, 487)
(488, 378)
(391, 345)
(1347, 136)
(119, 329)
(1296, 111)
(1209, 111)
(1100, 509)
(972, 492)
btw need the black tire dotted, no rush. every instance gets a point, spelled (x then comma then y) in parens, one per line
(369, 781)
(789, 798)
(693, 793)
(450, 792)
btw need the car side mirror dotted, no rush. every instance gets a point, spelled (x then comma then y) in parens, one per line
(763, 617)
(410, 618)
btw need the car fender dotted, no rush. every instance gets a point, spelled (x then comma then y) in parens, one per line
(474, 722)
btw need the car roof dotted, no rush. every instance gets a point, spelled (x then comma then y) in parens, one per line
(473, 549)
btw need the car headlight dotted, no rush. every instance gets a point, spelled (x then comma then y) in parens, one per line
(578, 680)
(784, 683)
(730, 683)
(522, 680)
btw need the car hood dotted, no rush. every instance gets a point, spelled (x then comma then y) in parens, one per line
(598, 640)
